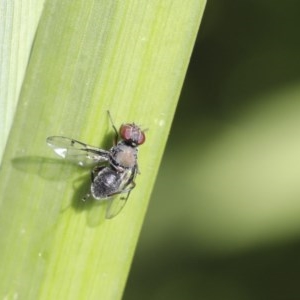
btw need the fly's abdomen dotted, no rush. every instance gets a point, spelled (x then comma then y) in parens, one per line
(105, 184)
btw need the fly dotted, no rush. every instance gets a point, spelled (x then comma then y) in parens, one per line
(113, 176)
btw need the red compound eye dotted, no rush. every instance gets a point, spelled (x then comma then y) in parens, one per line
(132, 134)
(141, 138)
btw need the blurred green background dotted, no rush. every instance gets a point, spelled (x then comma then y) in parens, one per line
(224, 218)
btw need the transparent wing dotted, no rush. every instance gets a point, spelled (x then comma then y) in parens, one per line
(116, 204)
(79, 152)
(118, 201)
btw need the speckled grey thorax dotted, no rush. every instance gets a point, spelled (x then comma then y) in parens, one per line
(124, 156)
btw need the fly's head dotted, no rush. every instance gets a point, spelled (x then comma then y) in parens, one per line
(132, 134)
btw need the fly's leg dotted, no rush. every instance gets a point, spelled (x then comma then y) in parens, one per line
(137, 169)
(114, 127)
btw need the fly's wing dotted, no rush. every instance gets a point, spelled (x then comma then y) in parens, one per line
(116, 204)
(76, 151)
(119, 199)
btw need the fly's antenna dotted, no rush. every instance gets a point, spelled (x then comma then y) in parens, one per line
(113, 126)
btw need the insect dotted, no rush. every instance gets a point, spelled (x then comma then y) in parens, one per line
(115, 171)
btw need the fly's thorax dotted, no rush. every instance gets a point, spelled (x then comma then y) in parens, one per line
(124, 156)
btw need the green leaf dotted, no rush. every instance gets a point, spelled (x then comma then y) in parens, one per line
(89, 56)
(18, 22)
